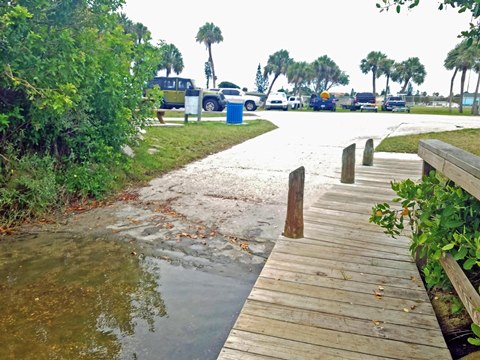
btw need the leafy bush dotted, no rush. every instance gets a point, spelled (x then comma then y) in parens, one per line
(441, 216)
(27, 187)
(72, 83)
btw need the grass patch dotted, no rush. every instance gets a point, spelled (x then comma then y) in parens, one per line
(418, 109)
(167, 148)
(466, 139)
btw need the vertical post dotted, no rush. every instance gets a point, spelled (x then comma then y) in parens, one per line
(186, 118)
(368, 153)
(294, 222)
(160, 114)
(348, 165)
(200, 101)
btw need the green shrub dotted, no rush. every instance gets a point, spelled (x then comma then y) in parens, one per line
(442, 217)
(27, 187)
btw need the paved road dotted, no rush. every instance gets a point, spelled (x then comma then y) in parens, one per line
(243, 190)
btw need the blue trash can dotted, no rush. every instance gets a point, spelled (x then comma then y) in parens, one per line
(234, 112)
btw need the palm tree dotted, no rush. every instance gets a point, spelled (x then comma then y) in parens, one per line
(326, 74)
(141, 33)
(210, 34)
(298, 73)
(466, 59)
(371, 63)
(385, 67)
(171, 59)
(277, 65)
(450, 63)
(410, 69)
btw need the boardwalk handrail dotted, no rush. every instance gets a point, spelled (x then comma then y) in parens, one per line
(463, 168)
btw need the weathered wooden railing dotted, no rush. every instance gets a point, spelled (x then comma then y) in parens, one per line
(464, 169)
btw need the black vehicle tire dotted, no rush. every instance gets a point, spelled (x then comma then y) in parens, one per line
(285, 109)
(250, 106)
(211, 105)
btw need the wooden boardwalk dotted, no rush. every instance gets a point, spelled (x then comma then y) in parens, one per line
(345, 290)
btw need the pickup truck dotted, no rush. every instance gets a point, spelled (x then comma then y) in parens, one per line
(395, 103)
(364, 101)
(250, 102)
(323, 102)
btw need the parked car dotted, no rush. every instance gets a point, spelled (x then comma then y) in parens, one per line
(394, 103)
(250, 102)
(277, 100)
(364, 101)
(174, 93)
(295, 102)
(323, 102)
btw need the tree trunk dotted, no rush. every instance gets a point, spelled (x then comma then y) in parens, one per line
(475, 96)
(405, 85)
(271, 85)
(374, 75)
(462, 87)
(210, 60)
(451, 90)
(386, 88)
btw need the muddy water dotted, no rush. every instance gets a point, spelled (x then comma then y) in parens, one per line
(64, 297)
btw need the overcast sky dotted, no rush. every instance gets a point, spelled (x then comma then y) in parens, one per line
(345, 30)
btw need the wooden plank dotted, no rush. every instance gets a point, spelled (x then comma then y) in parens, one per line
(315, 230)
(466, 161)
(344, 324)
(370, 249)
(232, 354)
(347, 276)
(343, 291)
(417, 294)
(464, 288)
(358, 298)
(357, 257)
(346, 266)
(282, 348)
(342, 341)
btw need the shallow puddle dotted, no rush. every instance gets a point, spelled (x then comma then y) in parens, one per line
(63, 297)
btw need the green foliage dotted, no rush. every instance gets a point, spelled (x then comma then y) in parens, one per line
(228, 84)
(72, 79)
(261, 82)
(28, 187)
(471, 6)
(441, 216)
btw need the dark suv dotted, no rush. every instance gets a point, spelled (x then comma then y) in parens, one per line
(174, 93)
(363, 101)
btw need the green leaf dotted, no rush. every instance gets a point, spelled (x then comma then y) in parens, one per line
(467, 265)
(398, 9)
(474, 341)
(475, 329)
(461, 253)
(448, 247)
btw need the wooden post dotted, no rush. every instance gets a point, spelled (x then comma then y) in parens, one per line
(348, 165)
(200, 101)
(368, 153)
(464, 288)
(186, 118)
(160, 114)
(294, 221)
